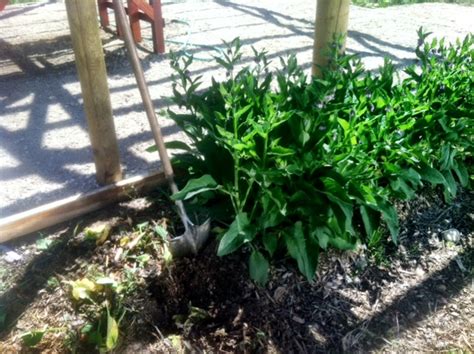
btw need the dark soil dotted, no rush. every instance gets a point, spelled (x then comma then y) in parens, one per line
(416, 298)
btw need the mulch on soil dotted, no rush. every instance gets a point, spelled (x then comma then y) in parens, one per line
(417, 298)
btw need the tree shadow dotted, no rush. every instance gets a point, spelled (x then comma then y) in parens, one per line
(20, 11)
(372, 46)
(408, 310)
(24, 144)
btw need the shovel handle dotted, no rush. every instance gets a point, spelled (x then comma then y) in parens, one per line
(144, 92)
(148, 103)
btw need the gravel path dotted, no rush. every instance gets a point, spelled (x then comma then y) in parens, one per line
(44, 148)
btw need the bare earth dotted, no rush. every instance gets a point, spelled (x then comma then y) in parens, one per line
(44, 148)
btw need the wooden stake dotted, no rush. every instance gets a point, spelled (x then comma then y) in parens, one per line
(66, 209)
(332, 18)
(82, 15)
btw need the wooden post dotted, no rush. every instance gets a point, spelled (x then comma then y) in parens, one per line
(332, 18)
(90, 63)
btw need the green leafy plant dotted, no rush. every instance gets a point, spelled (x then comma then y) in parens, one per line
(100, 300)
(295, 165)
(43, 244)
(32, 338)
(35, 336)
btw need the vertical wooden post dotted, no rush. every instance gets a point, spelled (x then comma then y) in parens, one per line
(157, 27)
(90, 63)
(134, 18)
(332, 18)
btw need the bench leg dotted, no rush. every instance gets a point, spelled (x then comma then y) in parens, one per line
(133, 15)
(104, 16)
(157, 27)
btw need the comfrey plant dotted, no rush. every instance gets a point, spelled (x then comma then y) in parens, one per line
(296, 165)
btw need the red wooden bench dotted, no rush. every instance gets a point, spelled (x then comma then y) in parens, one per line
(138, 10)
(3, 3)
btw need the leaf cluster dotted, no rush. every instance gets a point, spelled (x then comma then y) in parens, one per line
(296, 164)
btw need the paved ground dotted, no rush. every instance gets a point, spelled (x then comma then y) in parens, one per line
(44, 148)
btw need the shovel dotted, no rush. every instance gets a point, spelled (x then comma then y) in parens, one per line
(194, 236)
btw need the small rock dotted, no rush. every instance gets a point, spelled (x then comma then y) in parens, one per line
(419, 271)
(279, 294)
(361, 263)
(441, 287)
(12, 256)
(298, 319)
(451, 235)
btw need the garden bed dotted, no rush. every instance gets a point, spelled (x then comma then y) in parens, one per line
(342, 205)
(416, 299)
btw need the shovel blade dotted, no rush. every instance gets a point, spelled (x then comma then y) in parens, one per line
(191, 242)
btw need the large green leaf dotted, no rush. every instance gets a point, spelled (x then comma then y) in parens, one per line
(270, 242)
(240, 232)
(341, 243)
(461, 172)
(369, 219)
(322, 234)
(258, 267)
(400, 185)
(32, 338)
(410, 175)
(112, 332)
(177, 145)
(450, 183)
(196, 186)
(297, 248)
(431, 175)
(342, 205)
(389, 214)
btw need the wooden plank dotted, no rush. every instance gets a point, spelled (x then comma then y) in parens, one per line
(90, 63)
(332, 18)
(54, 213)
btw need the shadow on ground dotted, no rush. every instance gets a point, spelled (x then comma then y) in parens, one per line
(36, 61)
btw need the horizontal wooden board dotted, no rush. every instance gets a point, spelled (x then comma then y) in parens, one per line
(66, 209)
